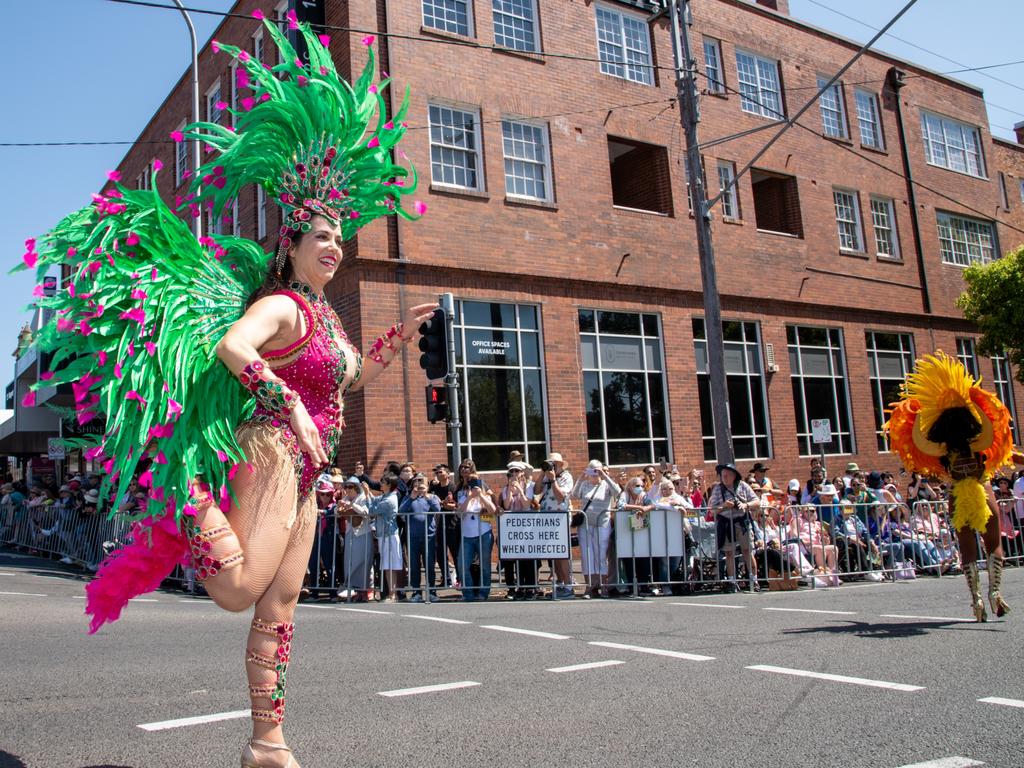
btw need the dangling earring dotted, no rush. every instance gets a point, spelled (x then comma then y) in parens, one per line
(282, 253)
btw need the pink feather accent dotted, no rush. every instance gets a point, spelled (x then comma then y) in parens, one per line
(29, 400)
(135, 569)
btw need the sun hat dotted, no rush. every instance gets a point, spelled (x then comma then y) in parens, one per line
(353, 481)
(827, 490)
(852, 467)
(760, 467)
(554, 456)
(794, 484)
(324, 484)
(92, 497)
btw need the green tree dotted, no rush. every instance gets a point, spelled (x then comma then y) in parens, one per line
(994, 301)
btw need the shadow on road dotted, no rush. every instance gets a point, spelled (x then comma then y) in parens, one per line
(7, 760)
(886, 630)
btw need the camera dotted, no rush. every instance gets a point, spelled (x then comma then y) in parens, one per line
(475, 483)
(547, 466)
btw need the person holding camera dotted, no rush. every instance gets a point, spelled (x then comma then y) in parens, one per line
(449, 527)
(517, 496)
(419, 509)
(553, 496)
(596, 493)
(478, 515)
(731, 501)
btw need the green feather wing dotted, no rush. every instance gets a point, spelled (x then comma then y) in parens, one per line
(134, 333)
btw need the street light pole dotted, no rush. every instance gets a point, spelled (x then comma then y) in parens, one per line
(686, 89)
(197, 222)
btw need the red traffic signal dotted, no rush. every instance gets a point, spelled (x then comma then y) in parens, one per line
(437, 403)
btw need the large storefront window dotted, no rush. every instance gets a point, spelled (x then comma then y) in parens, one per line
(624, 386)
(818, 373)
(744, 377)
(1002, 380)
(890, 359)
(498, 354)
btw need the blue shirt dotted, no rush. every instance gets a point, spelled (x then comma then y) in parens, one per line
(384, 510)
(419, 511)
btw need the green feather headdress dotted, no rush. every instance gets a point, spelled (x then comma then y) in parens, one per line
(316, 144)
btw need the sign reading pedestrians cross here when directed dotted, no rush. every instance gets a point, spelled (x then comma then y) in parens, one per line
(55, 448)
(821, 431)
(533, 536)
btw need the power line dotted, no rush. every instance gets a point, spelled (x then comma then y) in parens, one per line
(914, 45)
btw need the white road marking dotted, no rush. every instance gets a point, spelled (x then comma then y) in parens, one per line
(436, 618)
(8, 574)
(23, 594)
(194, 601)
(1002, 702)
(367, 610)
(837, 678)
(653, 651)
(591, 665)
(926, 618)
(427, 689)
(812, 610)
(946, 762)
(709, 605)
(199, 720)
(530, 632)
(78, 597)
(143, 600)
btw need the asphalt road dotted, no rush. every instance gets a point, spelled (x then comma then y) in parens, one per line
(718, 680)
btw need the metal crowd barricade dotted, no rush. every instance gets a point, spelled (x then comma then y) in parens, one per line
(1011, 527)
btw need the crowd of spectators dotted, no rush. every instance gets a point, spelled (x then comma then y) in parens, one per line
(417, 535)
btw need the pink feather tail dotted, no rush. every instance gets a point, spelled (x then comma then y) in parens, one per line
(156, 546)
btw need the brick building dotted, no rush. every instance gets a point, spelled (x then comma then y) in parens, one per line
(558, 216)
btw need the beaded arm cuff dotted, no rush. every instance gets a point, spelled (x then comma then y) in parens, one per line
(376, 352)
(272, 393)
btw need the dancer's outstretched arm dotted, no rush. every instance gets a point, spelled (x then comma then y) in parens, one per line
(388, 345)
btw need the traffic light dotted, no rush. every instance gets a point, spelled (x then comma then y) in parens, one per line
(434, 346)
(437, 403)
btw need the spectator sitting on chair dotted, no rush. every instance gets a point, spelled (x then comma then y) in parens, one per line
(817, 542)
(814, 483)
(731, 501)
(760, 472)
(852, 539)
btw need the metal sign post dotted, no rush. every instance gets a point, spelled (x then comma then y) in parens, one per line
(447, 302)
(821, 435)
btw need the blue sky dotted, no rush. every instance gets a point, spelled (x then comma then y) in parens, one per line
(94, 70)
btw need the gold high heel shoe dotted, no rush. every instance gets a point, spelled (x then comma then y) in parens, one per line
(249, 759)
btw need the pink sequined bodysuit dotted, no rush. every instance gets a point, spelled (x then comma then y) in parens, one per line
(315, 367)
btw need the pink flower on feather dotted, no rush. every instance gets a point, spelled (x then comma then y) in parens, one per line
(173, 408)
(29, 400)
(373, 143)
(215, 46)
(38, 292)
(293, 21)
(420, 207)
(71, 290)
(101, 358)
(325, 40)
(368, 40)
(72, 252)
(137, 314)
(93, 453)
(132, 239)
(389, 126)
(139, 294)
(158, 164)
(221, 105)
(84, 328)
(146, 479)
(131, 349)
(353, 214)
(248, 103)
(117, 370)
(133, 395)
(84, 417)
(372, 89)
(30, 258)
(243, 56)
(150, 348)
(302, 81)
(258, 14)
(221, 456)
(177, 136)
(64, 324)
(114, 175)
(46, 375)
(161, 458)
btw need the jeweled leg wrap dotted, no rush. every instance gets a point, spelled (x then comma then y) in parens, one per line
(278, 663)
(201, 543)
(995, 581)
(974, 584)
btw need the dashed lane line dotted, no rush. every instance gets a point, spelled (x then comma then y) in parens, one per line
(1002, 702)
(837, 678)
(23, 594)
(954, 761)
(439, 619)
(530, 632)
(708, 605)
(367, 610)
(590, 665)
(812, 610)
(428, 689)
(198, 720)
(653, 651)
(928, 618)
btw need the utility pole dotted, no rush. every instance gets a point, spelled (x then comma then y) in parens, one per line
(689, 113)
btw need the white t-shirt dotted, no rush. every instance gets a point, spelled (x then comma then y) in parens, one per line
(548, 501)
(472, 525)
(598, 500)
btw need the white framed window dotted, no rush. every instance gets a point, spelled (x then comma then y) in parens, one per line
(515, 24)
(233, 74)
(527, 160)
(281, 17)
(847, 207)
(181, 159)
(142, 181)
(758, 79)
(715, 81)
(624, 384)
(236, 224)
(499, 355)
(261, 212)
(890, 359)
(967, 354)
(1002, 380)
(257, 45)
(214, 113)
(455, 156)
(730, 198)
(951, 144)
(1021, 185)
(883, 221)
(964, 241)
(867, 119)
(454, 16)
(744, 376)
(214, 224)
(833, 113)
(624, 45)
(817, 364)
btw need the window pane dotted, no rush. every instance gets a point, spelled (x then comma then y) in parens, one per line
(533, 400)
(659, 417)
(587, 323)
(495, 402)
(489, 315)
(530, 343)
(592, 396)
(620, 353)
(618, 322)
(528, 318)
(651, 325)
(588, 351)
(625, 401)
(491, 347)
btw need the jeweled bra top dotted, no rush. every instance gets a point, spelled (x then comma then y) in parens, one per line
(315, 367)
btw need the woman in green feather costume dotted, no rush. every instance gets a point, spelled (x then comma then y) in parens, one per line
(221, 371)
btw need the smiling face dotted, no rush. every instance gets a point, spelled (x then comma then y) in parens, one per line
(317, 255)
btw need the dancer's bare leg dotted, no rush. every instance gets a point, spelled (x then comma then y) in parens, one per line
(268, 646)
